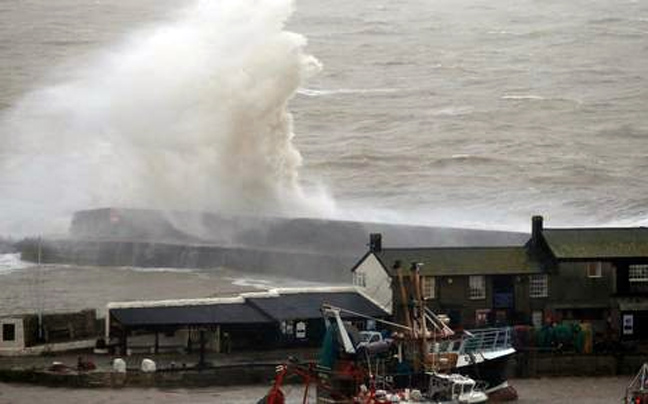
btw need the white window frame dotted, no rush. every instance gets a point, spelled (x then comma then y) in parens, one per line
(638, 273)
(594, 269)
(429, 287)
(477, 287)
(360, 279)
(538, 285)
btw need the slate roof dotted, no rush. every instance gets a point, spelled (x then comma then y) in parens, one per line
(307, 305)
(239, 313)
(251, 309)
(597, 243)
(461, 260)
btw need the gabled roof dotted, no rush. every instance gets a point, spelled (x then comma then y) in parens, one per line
(308, 305)
(597, 243)
(461, 260)
(247, 308)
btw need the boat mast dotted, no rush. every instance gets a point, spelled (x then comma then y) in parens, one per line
(420, 313)
(403, 293)
(39, 290)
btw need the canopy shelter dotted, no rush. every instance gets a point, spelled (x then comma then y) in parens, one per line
(250, 320)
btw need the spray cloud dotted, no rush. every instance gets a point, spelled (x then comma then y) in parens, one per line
(190, 114)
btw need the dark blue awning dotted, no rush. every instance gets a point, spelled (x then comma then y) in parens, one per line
(239, 313)
(308, 305)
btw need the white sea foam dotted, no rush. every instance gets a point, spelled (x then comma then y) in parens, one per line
(312, 92)
(523, 97)
(12, 262)
(159, 269)
(255, 283)
(190, 114)
(453, 111)
(271, 282)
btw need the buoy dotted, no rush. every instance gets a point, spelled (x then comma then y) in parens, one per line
(119, 365)
(148, 366)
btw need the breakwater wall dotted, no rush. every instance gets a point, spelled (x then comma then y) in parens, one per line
(304, 248)
(299, 264)
(254, 373)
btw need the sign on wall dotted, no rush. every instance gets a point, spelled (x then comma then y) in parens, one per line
(300, 330)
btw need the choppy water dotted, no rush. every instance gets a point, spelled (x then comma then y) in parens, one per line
(26, 288)
(469, 113)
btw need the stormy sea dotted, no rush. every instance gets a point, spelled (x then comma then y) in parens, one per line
(470, 114)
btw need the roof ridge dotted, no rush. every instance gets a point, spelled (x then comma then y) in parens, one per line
(453, 248)
(594, 228)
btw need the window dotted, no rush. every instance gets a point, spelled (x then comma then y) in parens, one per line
(538, 286)
(638, 273)
(481, 317)
(360, 279)
(8, 332)
(477, 287)
(594, 269)
(287, 327)
(429, 287)
(628, 324)
(537, 318)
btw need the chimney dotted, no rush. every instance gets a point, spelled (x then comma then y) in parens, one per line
(536, 230)
(414, 266)
(375, 242)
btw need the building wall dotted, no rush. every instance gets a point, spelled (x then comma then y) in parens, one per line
(452, 299)
(623, 285)
(70, 326)
(171, 341)
(18, 341)
(30, 329)
(572, 286)
(378, 285)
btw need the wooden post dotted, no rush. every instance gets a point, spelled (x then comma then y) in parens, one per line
(218, 339)
(125, 342)
(201, 363)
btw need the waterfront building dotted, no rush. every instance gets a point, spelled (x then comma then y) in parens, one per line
(33, 334)
(597, 276)
(288, 317)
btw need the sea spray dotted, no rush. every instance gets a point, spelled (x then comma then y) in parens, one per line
(190, 114)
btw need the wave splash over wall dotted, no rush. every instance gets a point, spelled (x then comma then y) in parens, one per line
(189, 114)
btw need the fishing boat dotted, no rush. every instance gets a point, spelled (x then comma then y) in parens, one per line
(637, 390)
(421, 361)
(351, 370)
(482, 354)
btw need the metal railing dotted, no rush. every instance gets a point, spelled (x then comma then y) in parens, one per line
(480, 340)
(486, 339)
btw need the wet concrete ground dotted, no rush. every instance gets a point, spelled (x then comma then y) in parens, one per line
(604, 390)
